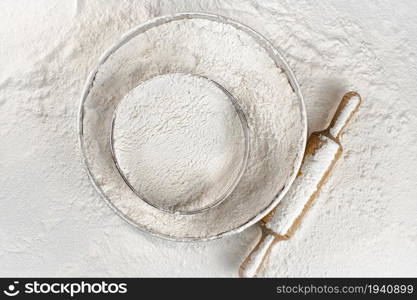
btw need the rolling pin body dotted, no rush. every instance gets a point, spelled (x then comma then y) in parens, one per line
(322, 151)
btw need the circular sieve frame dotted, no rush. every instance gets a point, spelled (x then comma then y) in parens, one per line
(231, 185)
(279, 61)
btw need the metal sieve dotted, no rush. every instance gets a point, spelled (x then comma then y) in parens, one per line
(224, 216)
(220, 189)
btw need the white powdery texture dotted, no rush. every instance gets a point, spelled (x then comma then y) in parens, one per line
(209, 49)
(179, 141)
(363, 223)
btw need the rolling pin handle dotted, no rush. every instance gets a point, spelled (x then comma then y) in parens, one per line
(347, 107)
(253, 262)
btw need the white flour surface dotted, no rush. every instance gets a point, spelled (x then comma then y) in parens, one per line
(53, 223)
(179, 142)
(207, 48)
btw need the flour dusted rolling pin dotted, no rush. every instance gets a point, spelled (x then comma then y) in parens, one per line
(322, 151)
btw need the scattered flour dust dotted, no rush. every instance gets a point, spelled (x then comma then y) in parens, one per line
(53, 222)
(179, 141)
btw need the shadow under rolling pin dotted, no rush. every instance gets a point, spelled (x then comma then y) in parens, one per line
(322, 151)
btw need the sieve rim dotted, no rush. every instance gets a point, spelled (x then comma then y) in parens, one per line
(229, 187)
(280, 62)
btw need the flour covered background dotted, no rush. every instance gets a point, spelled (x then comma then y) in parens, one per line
(53, 223)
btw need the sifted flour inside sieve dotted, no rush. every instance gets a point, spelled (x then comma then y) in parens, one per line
(247, 68)
(179, 142)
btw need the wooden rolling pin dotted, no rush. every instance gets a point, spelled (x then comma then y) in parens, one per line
(322, 151)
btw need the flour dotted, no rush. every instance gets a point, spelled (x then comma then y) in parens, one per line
(53, 222)
(244, 67)
(180, 142)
